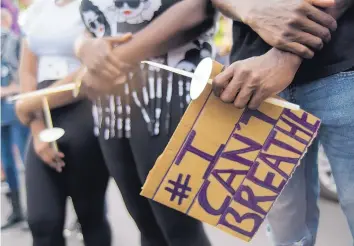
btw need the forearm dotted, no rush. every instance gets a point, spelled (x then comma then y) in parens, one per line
(37, 126)
(181, 23)
(10, 90)
(14, 88)
(80, 40)
(60, 99)
(337, 11)
(27, 72)
(26, 108)
(237, 10)
(231, 8)
(28, 82)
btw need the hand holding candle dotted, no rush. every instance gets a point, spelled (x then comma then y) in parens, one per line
(249, 82)
(209, 71)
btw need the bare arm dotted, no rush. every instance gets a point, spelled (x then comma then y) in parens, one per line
(340, 7)
(13, 88)
(26, 108)
(249, 82)
(296, 26)
(181, 23)
(231, 9)
(27, 69)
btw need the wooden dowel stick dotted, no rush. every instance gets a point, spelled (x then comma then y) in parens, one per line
(276, 101)
(78, 81)
(171, 69)
(48, 120)
(270, 100)
(43, 92)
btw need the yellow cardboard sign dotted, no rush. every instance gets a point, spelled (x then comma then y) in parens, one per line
(226, 166)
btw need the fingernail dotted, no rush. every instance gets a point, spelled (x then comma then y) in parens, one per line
(309, 56)
(217, 91)
(334, 26)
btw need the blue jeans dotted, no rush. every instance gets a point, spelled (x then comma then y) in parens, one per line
(293, 220)
(11, 134)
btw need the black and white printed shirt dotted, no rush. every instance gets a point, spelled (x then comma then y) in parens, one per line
(145, 88)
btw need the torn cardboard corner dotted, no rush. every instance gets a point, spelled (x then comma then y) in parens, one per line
(226, 166)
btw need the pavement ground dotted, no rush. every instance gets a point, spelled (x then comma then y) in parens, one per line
(333, 230)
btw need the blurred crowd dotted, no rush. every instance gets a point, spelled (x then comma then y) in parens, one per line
(13, 134)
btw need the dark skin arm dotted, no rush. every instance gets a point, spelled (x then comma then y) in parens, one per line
(295, 26)
(182, 22)
(249, 82)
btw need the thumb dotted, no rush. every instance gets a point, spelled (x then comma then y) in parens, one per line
(323, 3)
(119, 39)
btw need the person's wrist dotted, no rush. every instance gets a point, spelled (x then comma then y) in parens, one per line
(284, 57)
(127, 62)
(37, 125)
(79, 44)
(244, 12)
(293, 60)
(34, 130)
(35, 116)
(20, 114)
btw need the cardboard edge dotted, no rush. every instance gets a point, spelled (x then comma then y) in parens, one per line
(164, 161)
(296, 166)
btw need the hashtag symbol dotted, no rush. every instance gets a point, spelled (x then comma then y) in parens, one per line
(179, 189)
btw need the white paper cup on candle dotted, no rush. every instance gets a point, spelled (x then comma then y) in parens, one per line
(51, 134)
(201, 77)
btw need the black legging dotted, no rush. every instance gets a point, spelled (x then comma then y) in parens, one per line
(129, 162)
(84, 179)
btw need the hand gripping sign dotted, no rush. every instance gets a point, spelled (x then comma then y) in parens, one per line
(226, 166)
